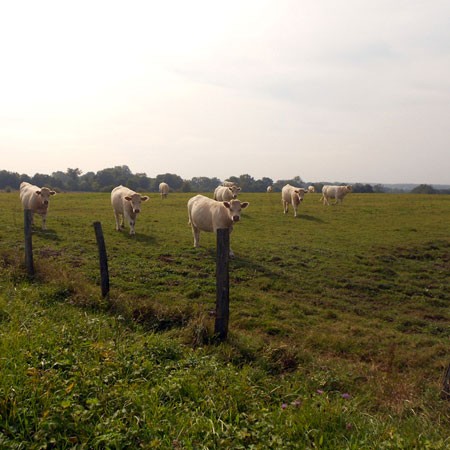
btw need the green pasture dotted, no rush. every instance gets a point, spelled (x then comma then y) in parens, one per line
(351, 299)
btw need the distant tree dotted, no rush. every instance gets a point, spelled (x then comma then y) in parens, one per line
(9, 179)
(204, 184)
(42, 180)
(73, 182)
(424, 189)
(186, 187)
(246, 182)
(378, 189)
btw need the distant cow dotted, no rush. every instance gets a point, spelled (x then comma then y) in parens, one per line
(36, 199)
(163, 189)
(229, 183)
(225, 194)
(206, 214)
(294, 195)
(311, 189)
(126, 203)
(269, 188)
(336, 192)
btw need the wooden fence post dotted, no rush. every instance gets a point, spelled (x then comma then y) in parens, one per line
(104, 274)
(222, 284)
(28, 243)
(446, 385)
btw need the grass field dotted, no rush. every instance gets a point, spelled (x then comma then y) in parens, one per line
(351, 299)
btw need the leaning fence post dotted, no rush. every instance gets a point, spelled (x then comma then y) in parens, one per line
(222, 284)
(104, 274)
(446, 385)
(28, 243)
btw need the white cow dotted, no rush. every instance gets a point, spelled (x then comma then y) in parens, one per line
(269, 188)
(206, 214)
(311, 189)
(225, 194)
(229, 183)
(127, 203)
(163, 189)
(36, 199)
(294, 195)
(336, 192)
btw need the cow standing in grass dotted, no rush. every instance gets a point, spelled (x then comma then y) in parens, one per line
(225, 194)
(336, 192)
(293, 195)
(209, 215)
(36, 199)
(163, 189)
(126, 203)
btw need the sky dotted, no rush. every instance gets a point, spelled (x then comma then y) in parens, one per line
(339, 90)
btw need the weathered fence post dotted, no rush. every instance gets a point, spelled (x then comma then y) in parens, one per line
(28, 243)
(446, 385)
(222, 283)
(104, 274)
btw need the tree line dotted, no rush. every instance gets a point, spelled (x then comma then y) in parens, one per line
(105, 180)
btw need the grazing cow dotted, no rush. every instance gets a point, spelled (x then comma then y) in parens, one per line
(311, 189)
(127, 203)
(269, 188)
(225, 194)
(163, 189)
(229, 183)
(294, 195)
(206, 214)
(336, 192)
(36, 199)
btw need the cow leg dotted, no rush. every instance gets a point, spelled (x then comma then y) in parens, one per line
(325, 201)
(196, 233)
(44, 219)
(32, 218)
(285, 207)
(295, 210)
(118, 221)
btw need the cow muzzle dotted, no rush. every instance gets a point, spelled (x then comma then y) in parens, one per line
(137, 211)
(236, 218)
(45, 202)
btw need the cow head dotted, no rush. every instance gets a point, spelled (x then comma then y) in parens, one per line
(348, 188)
(234, 208)
(300, 192)
(234, 190)
(135, 201)
(44, 194)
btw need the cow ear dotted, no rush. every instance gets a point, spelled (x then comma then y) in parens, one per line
(238, 188)
(52, 192)
(127, 198)
(38, 192)
(297, 191)
(244, 205)
(226, 204)
(144, 198)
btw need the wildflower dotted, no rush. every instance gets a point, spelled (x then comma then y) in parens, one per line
(346, 396)
(297, 403)
(319, 391)
(283, 406)
(349, 426)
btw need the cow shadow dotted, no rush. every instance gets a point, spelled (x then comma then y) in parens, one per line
(48, 234)
(138, 237)
(311, 218)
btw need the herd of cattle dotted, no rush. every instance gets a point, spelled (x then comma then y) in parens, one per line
(205, 214)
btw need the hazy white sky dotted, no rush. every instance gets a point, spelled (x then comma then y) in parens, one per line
(348, 90)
